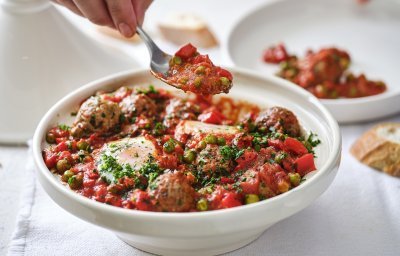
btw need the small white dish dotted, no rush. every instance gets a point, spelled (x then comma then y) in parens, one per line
(200, 233)
(370, 33)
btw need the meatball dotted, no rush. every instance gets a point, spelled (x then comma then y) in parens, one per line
(324, 65)
(96, 115)
(210, 160)
(280, 119)
(138, 104)
(177, 110)
(172, 193)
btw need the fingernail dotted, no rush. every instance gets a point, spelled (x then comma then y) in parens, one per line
(125, 30)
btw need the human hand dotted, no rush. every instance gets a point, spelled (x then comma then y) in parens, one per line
(123, 15)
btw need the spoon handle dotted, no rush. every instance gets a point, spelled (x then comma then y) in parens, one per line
(151, 46)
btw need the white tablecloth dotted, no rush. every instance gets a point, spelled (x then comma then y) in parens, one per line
(358, 215)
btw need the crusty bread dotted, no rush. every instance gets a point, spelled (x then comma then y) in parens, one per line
(184, 28)
(380, 148)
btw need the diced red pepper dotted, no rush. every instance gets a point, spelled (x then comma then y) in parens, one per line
(275, 54)
(305, 164)
(88, 183)
(142, 200)
(62, 146)
(230, 200)
(100, 191)
(212, 117)
(201, 59)
(186, 51)
(50, 159)
(277, 144)
(245, 160)
(65, 155)
(294, 146)
(113, 200)
(226, 180)
(251, 185)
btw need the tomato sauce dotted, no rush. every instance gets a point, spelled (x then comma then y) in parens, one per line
(194, 72)
(200, 153)
(323, 73)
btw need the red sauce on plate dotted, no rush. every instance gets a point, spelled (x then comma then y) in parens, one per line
(193, 72)
(199, 153)
(323, 73)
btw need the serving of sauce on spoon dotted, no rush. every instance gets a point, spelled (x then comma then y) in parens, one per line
(191, 71)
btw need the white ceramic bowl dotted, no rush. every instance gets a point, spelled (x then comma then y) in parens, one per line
(201, 233)
(370, 33)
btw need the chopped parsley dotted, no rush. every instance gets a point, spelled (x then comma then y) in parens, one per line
(158, 129)
(151, 89)
(231, 153)
(64, 127)
(111, 171)
(311, 142)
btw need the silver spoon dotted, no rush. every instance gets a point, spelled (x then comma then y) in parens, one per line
(159, 60)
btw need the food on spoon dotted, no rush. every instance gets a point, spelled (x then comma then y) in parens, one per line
(323, 73)
(379, 148)
(153, 150)
(184, 27)
(191, 71)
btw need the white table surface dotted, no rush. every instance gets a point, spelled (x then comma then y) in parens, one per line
(13, 159)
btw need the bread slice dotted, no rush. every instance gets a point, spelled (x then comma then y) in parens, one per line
(187, 28)
(380, 148)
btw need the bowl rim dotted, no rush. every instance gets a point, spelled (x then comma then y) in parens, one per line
(92, 204)
(388, 94)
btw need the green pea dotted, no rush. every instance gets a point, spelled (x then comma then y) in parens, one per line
(200, 70)
(67, 174)
(176, 60)
(380, 84)
(284, 64)
(344, 63)
(169, 146)
(353, 91)
(334, 94)
(221, 141)
(319, 67)
(224, 81)
(294, 178)
(291, 73)
(76, 181)
(257, 147)
(189, 156)
(202, 144)
(211, 139)
(202, 205)
(183, 80)
(262, 129)
(251, 198)
(197, 81)
(50, 138)
(82, 145)
(63, 165)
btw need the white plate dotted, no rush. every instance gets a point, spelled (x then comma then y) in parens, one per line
(200, 233)
(371, 34)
